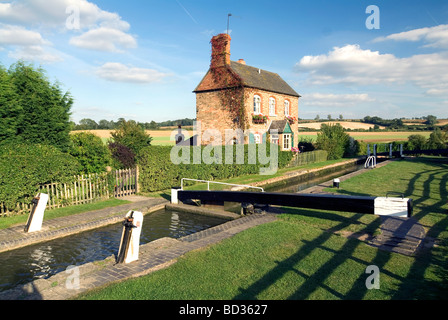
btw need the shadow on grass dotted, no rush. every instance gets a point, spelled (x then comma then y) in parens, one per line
(318, 278)
(428, 274)
(435, 258)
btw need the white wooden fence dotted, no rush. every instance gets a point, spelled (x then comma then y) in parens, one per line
(126, 182)
(84, 189)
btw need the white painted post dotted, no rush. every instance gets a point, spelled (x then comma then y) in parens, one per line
(134, 245)
(174, 198)
(36, 218)
(128, 250)
(395, 207)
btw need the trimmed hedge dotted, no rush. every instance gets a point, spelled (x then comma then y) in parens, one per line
(158, 172)
(23, 168)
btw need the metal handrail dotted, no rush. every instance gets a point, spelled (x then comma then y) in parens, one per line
(215, 182)
(371, 159)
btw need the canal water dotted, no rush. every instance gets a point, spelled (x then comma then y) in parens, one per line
(41, 261)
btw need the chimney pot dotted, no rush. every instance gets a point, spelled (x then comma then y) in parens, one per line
(242, 61)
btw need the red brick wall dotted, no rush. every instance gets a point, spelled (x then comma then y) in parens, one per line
(213, 115)
(280, 109)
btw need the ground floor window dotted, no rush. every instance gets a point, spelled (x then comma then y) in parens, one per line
(257, 138)
(287, 141)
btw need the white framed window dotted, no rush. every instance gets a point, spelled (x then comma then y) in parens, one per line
(257, 104)
(286, 141)
(272, 107)
(257, 138)
(287, 108)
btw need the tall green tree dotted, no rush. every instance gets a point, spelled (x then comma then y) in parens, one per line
(10, 110)
(45, 108)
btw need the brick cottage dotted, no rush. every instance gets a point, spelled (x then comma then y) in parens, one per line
(233, 95)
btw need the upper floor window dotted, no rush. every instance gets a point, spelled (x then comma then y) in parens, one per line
(287, 108)
(257, 105)
(271, 106)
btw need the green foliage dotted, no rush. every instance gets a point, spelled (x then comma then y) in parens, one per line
(41, 111)
(91, 152)
(416, 142)
(437, 140)
(123, 157)
(10, 110)
(333, 139)
(158, 172)
(132, 135)
(431, 120)
(24, 167)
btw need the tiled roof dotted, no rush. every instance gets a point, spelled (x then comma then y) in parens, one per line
(260, 79)
(279, 125)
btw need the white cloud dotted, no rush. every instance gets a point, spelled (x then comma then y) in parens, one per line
(436, 37)
(26, 44)
(118, 72)
(335, 100)
(53, 13)
(16, 35)
(34, 53)
(353, 66)
(101, 30)
(104, 39)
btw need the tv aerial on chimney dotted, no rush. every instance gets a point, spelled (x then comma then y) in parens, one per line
(228, 22)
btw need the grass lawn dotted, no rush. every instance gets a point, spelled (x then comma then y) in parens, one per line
(302, 255)
(7, 222)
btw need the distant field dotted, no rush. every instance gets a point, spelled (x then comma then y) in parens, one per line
(162, 137)
(344, 124)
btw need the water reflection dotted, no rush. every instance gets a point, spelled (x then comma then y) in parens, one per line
(44, 260)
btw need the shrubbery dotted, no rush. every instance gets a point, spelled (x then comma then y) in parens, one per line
(334, 140)
(90, 151)
(158, 172)
(23, 168)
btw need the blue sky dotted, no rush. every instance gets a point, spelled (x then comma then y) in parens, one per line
(141, 60)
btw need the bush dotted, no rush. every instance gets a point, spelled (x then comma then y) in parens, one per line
(334, 140)
(123, 156)
(416, 142)
(158, 172)
(131, 135)
(90, 152)
(23, 168)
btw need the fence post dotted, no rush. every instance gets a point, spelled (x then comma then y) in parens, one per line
(137, 186)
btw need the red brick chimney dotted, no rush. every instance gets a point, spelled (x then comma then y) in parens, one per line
(220, 50)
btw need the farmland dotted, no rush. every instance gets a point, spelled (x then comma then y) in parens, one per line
(162, 137)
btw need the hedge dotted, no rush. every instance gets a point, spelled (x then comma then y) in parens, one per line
(23, 168)
(157, 171)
